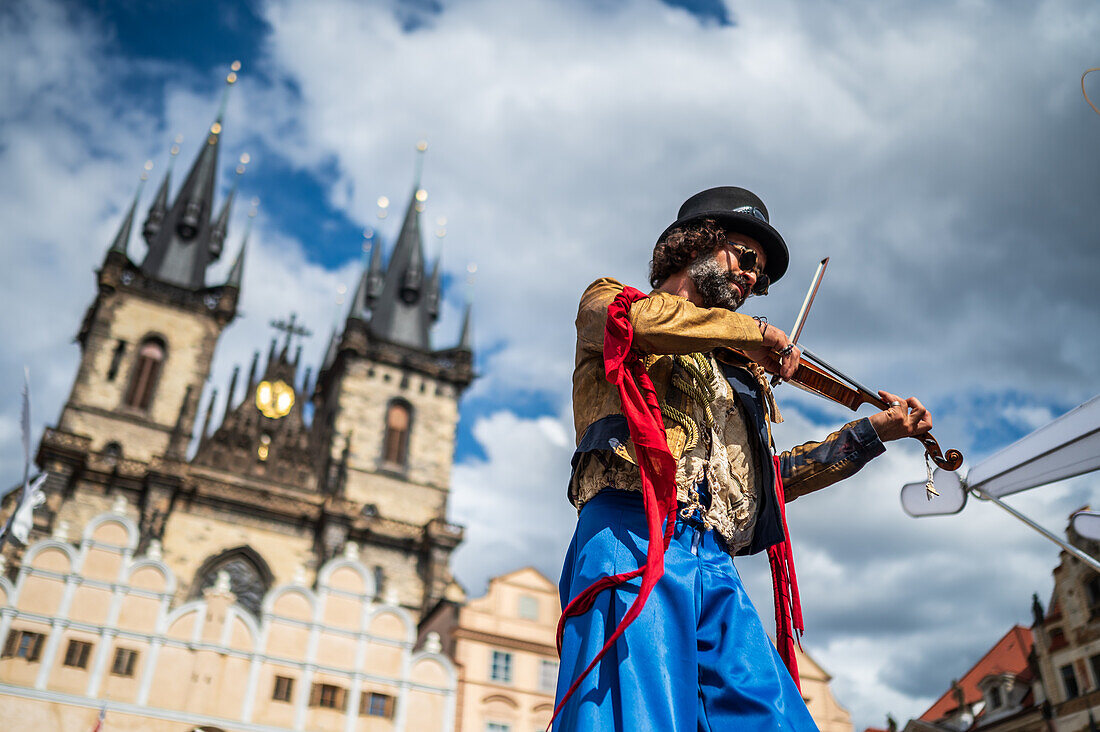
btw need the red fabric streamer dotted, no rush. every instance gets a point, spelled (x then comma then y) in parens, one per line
(788, 606)
(655, 463)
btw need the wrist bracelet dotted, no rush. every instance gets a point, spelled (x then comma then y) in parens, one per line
(763, 323)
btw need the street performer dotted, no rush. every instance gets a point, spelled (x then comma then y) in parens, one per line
(675, 473)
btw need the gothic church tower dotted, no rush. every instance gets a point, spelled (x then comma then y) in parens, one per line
(387, 408)
(148, 338)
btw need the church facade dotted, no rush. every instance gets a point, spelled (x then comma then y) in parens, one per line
(271, 572)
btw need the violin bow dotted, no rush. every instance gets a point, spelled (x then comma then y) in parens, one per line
(801, 319)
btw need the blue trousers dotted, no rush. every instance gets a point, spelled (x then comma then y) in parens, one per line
(696, 659)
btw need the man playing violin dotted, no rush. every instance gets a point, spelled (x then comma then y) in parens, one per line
(697, 656)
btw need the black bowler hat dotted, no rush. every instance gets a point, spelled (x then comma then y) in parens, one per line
(740, 211)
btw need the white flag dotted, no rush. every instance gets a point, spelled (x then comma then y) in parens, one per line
(22, 520)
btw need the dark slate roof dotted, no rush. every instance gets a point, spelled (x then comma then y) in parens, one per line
(179, 249)
(401, 314)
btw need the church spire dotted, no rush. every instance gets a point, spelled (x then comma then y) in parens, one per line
(122, 238)
(371, 282)
(435, 290)
(159, 209)
(375, 276)
(221, 226)
(232, 389)
(236, 273)
(466, 340)
(399, 315)
(182, 248)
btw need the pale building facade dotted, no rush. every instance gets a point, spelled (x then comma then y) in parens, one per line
(826, 711)
(1067, 641)
(504, 649)
(90, 622)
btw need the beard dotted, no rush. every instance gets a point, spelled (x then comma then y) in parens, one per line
(716, 287)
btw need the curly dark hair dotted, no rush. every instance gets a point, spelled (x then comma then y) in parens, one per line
(682, 246)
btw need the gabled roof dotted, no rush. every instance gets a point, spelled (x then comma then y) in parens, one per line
(1008, 655)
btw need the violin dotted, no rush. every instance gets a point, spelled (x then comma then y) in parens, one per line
(816, 376)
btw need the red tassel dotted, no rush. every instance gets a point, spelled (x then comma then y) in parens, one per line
(788, 605)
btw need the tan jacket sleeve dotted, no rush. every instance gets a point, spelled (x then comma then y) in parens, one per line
(664, 323)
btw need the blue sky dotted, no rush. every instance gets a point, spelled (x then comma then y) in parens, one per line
(942, 156)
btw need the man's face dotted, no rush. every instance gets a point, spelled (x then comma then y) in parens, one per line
(719, 279)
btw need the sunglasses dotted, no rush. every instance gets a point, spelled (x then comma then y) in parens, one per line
(747, 262)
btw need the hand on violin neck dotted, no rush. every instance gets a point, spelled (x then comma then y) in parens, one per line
(908, 419)
(773, 354)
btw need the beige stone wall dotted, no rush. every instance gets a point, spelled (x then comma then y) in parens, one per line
(190, 340)
(401, 578)
(198, 533)
(419, 493)
(207, 662)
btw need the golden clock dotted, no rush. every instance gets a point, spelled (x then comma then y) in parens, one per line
(274, 399)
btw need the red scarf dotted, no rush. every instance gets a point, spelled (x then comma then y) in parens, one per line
(658, 472)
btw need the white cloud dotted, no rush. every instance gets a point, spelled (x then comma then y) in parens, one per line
(513, 502)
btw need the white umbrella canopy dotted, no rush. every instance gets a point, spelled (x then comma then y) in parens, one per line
(1063, 448)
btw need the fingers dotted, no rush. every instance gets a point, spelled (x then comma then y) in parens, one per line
(789, 363)
(776, 340)
(902, 417)
(920, 416)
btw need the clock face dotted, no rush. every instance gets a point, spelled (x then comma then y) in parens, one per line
(274, 399)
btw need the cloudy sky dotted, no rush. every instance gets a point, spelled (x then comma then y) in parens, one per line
(940, 153)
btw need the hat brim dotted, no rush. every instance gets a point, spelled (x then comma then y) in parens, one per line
(775, 249)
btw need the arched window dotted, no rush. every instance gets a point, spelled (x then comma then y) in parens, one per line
(146, 372)
(395, 445)
(112, 451)
(249, 576)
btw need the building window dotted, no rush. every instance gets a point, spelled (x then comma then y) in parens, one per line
(548, 676)
(373, 704)
(124, 662)
(996, 699)
(1092, 591)
(395, 447)
(23, 644)
(1095, 663)
(249, 577)
(1069, 680)
(116, 360)
(284, 688)
(76, 655)
(1057, 639)
(327, 696)
(528, 607)
(379, 580)
(498, 727)
(501, 667)
(143, 381)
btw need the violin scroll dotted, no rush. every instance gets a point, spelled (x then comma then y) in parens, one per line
(953, 460)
